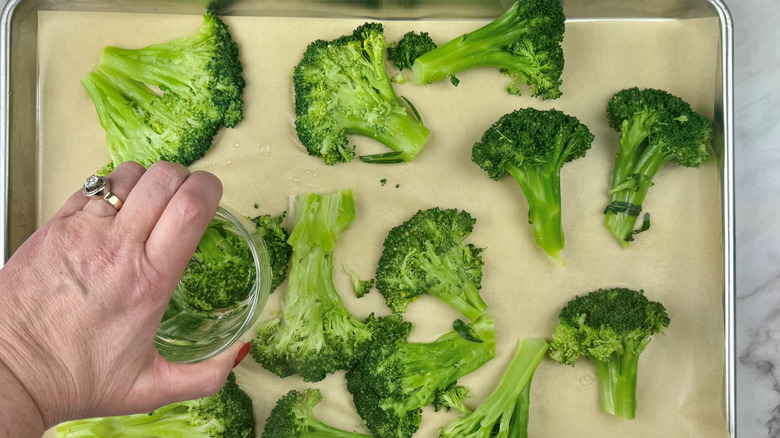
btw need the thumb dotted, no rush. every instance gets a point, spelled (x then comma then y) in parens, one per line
(179, 382)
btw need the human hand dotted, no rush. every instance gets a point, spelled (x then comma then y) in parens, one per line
(81, 300)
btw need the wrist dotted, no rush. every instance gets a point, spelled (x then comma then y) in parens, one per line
(21, 416)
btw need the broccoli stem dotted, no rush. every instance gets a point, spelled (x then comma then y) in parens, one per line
(318, 429)
(518, 427)
(644, 169)
(403, 134)
(542, 188)
(618, 383)
(481, 48)
(172, 420)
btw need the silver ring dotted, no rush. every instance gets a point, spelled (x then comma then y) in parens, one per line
(99, 187)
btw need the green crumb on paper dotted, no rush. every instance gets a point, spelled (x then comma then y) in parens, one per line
(383, 181)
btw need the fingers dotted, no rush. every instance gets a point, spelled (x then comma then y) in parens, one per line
(144, 205)
(168, 382)
(181, 225)
(122, 181)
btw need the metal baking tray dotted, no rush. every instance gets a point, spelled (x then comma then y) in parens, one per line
(20, 95)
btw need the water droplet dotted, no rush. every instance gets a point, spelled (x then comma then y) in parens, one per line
(586, 380)
(236, 145)
(265, 150)
(229, 162)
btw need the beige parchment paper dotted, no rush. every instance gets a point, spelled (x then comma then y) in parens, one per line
(678, 262)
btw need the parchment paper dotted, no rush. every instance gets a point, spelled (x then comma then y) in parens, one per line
(678, 262)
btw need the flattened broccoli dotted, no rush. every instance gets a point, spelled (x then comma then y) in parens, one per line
(200, 79)
(316, 334)
(293, 417)
(228, 414)
(524, 43)
(342, 88)
(394, 378)
(426, 254)
(504, 414)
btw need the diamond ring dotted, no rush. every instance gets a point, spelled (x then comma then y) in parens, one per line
(99, 187)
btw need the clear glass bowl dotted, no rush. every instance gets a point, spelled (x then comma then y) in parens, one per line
(188, 334)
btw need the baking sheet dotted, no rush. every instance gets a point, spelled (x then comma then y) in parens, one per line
(678, 262)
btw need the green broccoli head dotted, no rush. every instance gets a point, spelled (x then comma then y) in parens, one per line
(200, 79)
(524, 43)
(409, 48)
(220, 274)
(611, 328)
(394, 378)
(532, 146)
(451, 397)
(279, 251)
(342, 88)
(426, 254)
(228, 414)
(505, 412)
(293, 417)
(655, 128)
(316, 334)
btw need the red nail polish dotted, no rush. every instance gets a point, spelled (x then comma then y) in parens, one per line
(242, 353)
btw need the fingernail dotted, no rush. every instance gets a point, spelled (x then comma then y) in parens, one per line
(242, 353)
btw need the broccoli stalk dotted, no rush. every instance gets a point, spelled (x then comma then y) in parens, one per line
(611, 328)
(394, 378)
(532, 146)
(342, 88)
(200, 79)
(316, 334)
(655, 128)
(426, 254)
(505, 412)
(524, 43)
(228, 414)
(293, 417)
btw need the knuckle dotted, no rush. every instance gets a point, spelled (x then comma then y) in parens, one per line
(191, 208)
(169, 175)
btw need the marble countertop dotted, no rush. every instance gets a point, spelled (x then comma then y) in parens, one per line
(757, 114)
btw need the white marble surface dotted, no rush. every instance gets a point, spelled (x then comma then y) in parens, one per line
(757, 95)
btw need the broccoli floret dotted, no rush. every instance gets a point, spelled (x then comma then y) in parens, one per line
(505, 412)
(342, 88)
(316, 334)
(525, 43)
(220, 274)
(228, 414)
(655, 128)
(200, 84)
(426, 254)
(409, 48)
(293, 417)
(611, 328)
(360, 286)
(394, 378)
(451, 397)
(279, 251)
(532, 146)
